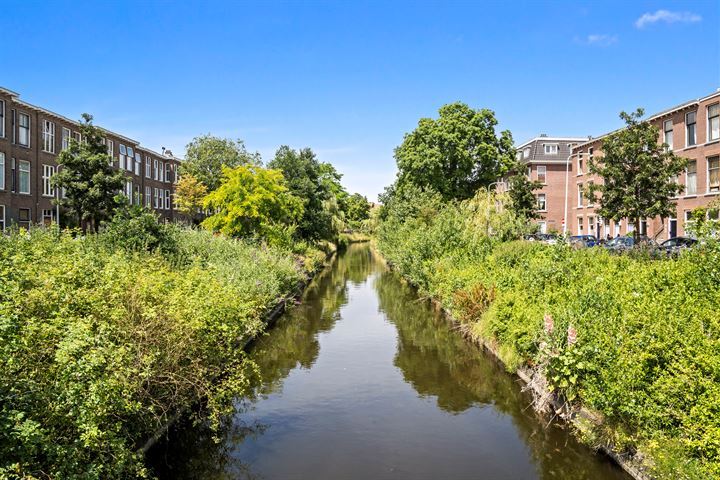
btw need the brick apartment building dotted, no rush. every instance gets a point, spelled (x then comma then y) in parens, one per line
(546, 159)
(692, 130)
(30, 140)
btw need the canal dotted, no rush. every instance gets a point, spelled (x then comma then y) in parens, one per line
(363, 380)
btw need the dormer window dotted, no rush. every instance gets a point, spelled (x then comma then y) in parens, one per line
(526, 153)
(550, 148)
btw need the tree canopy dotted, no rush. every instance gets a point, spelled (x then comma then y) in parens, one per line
(252, 200)
(206, 155)
(639, 174)
(522, 196)
(86, 175)
(189, 195)
(456, 153)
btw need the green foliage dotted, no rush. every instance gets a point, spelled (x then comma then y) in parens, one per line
(357, 209)
(455, 154)
(252, 201)
(317, 184)
(189, 195)
(639, 174)
(137, 229)
(86, 174)
(99, 347)
(646, 355)
(206, 156)
(522, 198)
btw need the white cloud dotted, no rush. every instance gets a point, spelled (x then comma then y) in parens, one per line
(667, 17)
(601, 40)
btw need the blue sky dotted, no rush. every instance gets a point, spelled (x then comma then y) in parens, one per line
(348, 79)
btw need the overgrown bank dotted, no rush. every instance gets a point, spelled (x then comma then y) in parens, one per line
(104, 337)
(647, 355)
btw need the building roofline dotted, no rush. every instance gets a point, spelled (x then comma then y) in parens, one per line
(655, 116)
(552, 139)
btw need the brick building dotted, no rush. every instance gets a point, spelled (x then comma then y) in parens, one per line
(692, 130)
(30, 140)
(546, 160)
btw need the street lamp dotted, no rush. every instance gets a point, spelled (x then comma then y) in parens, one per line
(488, 201)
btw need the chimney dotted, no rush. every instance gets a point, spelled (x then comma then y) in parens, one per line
(167, 152)
(163, 150)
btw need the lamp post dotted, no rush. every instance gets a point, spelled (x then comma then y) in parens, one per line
(488, 207)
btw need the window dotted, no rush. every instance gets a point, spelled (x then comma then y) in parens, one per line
(2, 129)
(48, 216)
(690, 119)
(155, 169)
(176, 174)
(526, 152)
(109, 144)
(137, 197)
(550, 148)
(48, 172)
(121, 157)
(713, 174)
(156, 197)
(541, 173)
(580, 225)
(580, 163)
(542, 226)
(24, 129)
(24, 176)
(591, 226)
(591, 202)
(77, 136)
(541, 202)
(129, 190)
(48, 136)
(2, 171)
(691, 178)
(580, 195)
(714, 122)
(24, 217)
(167, 199)
(590, 153)
(529, 172)
(668, 133)
(2, 218)
(65, 138)
(130, 152)
(148, 195)
(148, 167)
(168, 176)
(138, 163)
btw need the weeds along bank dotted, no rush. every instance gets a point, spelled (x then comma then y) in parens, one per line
(100, 345)
(647, 356)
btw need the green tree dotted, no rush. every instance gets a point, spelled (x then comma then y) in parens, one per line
(639, 174)
(455, 154)
(90, 183)
(206, 155)
(251, 200)
(522, 196)
(189, 195)
(358, 209)
(312, 182)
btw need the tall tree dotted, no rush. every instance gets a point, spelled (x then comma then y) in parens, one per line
(312, 182)
(522, 196)
(206, 155)
(90, 183)
(251, 200)
(189, 195)
(639, 173)
(456, 153)
(358, 209)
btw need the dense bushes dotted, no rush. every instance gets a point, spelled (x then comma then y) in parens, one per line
(100, 345)
(648, 334)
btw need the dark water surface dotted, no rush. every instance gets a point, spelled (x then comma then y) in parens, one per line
(365, 381)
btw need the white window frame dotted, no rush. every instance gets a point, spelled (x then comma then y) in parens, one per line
(668, 133)
(2, 170)
(48, 189)
(156, 197)
(710, 119)
(542, 204)
(48, 136)
(23, 129)
(138, 163)
(580, 163)
(687, 178)
(542, 168)
(66, 134)
(526, 152)
(707, 161)
(148, 196)
(121, 156)
(167, 172)
(580, 224)
(129, 190)
(155, 169)
(687, 129)
(148, 167)
(20, 176)
(580, 195)
(550, 148)
(167, 199)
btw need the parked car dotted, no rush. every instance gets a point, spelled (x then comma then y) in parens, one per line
(674, 246)
(549, 238)
(623, 244)
(583, 240)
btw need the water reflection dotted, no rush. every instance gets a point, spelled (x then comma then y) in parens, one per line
(363, 380)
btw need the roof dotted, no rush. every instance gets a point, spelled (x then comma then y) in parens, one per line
(655, 116)
(551, 139)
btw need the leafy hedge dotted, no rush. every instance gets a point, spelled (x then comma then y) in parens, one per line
(100, 345)
(648, 331)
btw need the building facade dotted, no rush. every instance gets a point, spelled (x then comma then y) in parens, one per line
(546, 160)
(692, 131)
(31, 139)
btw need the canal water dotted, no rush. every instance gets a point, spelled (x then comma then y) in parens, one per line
(364, 380)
